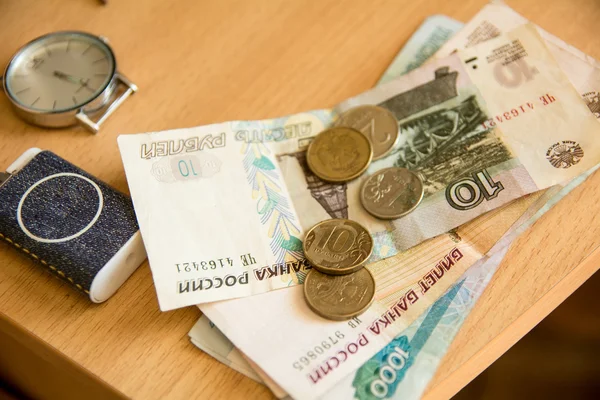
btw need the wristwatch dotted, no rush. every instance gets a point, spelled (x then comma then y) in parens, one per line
(64, 78)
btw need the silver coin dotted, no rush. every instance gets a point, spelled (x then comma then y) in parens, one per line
(392, 193)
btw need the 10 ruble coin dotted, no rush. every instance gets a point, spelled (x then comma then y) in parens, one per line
(337, 246)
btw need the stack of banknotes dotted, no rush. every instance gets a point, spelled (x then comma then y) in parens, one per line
(499, 118)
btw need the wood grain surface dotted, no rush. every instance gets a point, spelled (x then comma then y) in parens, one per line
(198, 62)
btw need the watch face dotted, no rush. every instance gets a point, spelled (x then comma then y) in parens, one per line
(59, 72)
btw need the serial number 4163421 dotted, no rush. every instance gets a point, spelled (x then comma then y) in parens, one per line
(204, 265)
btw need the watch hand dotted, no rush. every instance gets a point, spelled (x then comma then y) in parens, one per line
(67, 77)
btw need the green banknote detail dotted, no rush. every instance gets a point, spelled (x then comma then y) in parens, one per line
(263, 163)
(274, 209)
(379, 377)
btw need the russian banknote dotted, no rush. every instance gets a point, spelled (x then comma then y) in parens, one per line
(419, 350)
(428, 38)
(205, 335)
(268, 304)
(495, 18)
(403, 369)
(218, 205)
(433, 332)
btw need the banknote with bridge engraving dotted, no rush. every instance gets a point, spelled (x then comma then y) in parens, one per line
(403, 369)
(426, 340)
(222, 208)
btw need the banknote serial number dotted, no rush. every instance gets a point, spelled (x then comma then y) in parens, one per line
(316, 351)
(204, 265)
(193, 266)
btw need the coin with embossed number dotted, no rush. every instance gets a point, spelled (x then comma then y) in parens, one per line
(392, 193)
(339, 154)
(376, 123)
(339, 297)
(337, 246)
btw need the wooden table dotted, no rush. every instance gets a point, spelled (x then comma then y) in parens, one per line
(198, 62)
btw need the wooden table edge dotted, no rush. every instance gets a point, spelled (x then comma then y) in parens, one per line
(512, 333)
(33, 365)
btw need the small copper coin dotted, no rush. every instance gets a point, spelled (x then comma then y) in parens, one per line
(392, 193)
(376, 123)
(339, 297)
(337, 246)
(339, 154)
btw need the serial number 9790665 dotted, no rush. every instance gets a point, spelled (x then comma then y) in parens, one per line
(312, 354)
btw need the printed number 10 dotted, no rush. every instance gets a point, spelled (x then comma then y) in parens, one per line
(514, 74)
(186, 167)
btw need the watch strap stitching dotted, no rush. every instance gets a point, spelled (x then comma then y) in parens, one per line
(37, 258)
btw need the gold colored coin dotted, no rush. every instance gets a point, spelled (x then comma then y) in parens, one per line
(376, 123)
(337, 246)
(339, 154)
(339, 297)
(392, 193)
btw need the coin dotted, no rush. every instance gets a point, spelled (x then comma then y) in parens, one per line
(391, 193)
(376, 123)
(339, 154)
(337, 246)
(339, 297)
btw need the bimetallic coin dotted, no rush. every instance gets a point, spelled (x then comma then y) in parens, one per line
(337, 246)
(339, 297)
(339, 154)
(376, 123)
(392, 193)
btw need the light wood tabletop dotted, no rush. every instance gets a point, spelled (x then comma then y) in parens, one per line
(198, 62)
